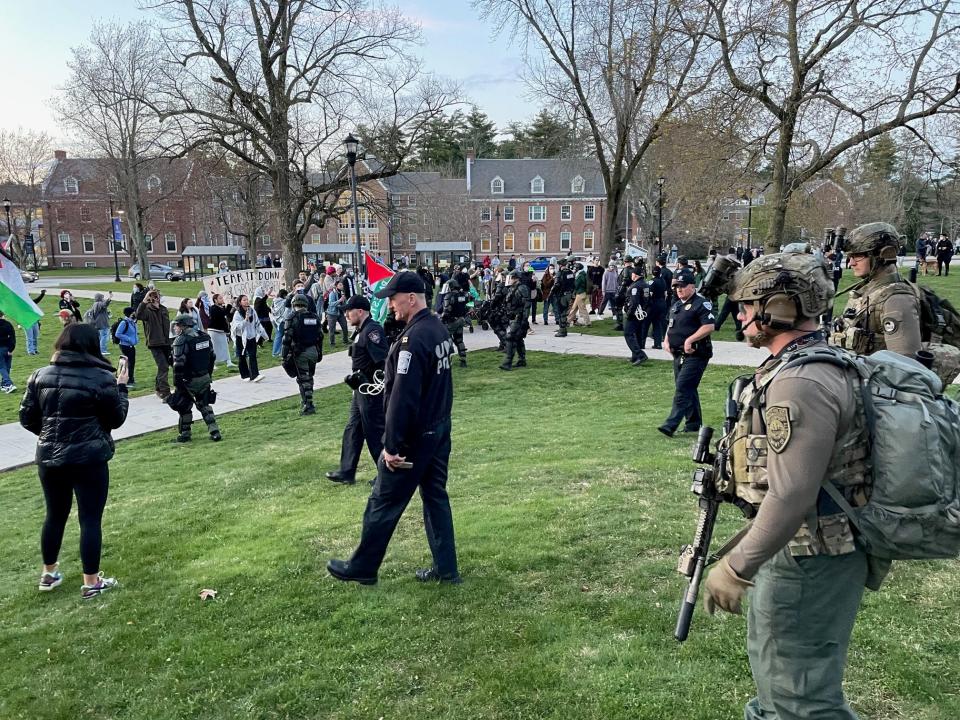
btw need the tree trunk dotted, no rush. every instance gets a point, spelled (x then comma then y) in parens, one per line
(781, 190)
(614, 202)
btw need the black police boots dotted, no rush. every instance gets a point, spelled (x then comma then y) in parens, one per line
(338, 477)
(342, 570)
(562, 332)
(425, 575)
(216, 436)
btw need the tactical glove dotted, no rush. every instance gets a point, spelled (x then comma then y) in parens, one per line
(724, 589)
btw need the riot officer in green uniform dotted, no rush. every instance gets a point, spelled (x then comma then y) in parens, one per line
(798, 428)
(517, 304)
(883, 310)
(563, 288)
(193, 361)
(302, 349)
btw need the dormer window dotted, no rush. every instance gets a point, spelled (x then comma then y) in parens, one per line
(71, 186)
(496, 186)
(536, 185)
(576, 185)
(153, 184)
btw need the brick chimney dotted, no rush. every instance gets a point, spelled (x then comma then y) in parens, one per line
(60, 155)
(471, 157)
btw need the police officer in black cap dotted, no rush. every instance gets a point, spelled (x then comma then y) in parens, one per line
(688, 339)
(302, 349)
(368, 350)
(624, 281)
(193, 361)
(416, 449)
(637, 322)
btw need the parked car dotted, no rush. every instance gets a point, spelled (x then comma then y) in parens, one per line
(29, 276)
(157, 270)
(540, 263)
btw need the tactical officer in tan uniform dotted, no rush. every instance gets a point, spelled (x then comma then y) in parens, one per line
(798, 428)
(883, 311)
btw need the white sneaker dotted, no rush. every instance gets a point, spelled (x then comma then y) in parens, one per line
(103, 584)
(8, 388)
(258, 378)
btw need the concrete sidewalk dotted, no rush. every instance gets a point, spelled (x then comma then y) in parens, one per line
(147, 413)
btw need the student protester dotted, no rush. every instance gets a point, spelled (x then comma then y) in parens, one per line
(68, 303)
(219, 328)
(33, 332)
(156, 329)
(248, 334)
(127, 337)
(278, 314)
(72, 405)
(8, 343)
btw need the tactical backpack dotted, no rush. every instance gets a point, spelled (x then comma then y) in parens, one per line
(113, 331)
(940, 332)
(913, 432)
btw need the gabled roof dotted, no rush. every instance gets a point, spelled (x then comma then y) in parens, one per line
(92, 174)
(425, 183)
(557, 174)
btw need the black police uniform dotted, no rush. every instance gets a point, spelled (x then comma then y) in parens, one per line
(659, 307)
(303, 348)
(635, 330)
(517, 304)
(368, 350)
(563, 288)
(624, 281)
(418, 397)
(685, 319)
(193, 362)
(455, 299)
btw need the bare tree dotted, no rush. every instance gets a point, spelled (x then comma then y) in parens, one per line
(833, 74)
(278, 85)
(619, 68)
(106, 105)
(24, 159)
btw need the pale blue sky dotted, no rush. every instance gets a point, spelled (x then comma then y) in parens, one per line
(38, 35)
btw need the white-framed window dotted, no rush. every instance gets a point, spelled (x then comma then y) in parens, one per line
(484, 214)
(566, 238)
(397, 239)
(71, 186)
(168, 215)
(315, 238)
(588, 239)
(153, 184)
(170, 240)
(63, 239)
(485, 242)
(760, 201)
(508, 213)
(411, 201)
(589, 212)
(537, 213)
(88, 243)
(566, 212)
(66, 264)
(265, 240)
(411, 219)
(536, 186)
(60, 214)
(496, 186)
(576, 185)
(537, 240)
(508, 241)
(148, 241)
(84, 214)
(412, 239)
(90, 263)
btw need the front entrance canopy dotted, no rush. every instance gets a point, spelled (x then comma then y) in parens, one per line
(200, 260)
(329, 252)
(443, 254)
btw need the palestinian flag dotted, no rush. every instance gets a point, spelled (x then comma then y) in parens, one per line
(378, 275)
(15, 303)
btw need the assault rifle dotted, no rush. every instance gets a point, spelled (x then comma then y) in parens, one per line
(712, 485)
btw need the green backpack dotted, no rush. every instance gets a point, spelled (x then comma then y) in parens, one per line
(913, 512)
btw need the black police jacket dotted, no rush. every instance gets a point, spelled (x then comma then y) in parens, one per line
(658, 295)
(72, 405)
(565, 280)
(638, 295)
(306, 330)
(418, 393)
(685, 319)
(192, 356)
(369, 347)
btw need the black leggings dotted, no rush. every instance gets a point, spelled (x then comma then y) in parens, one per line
(90, 483)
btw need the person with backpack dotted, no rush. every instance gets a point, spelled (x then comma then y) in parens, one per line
(99, 316)
(124, 334)
(883, 310)
(798, 430)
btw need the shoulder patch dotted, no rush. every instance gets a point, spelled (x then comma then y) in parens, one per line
(374, 337)
(405, 339)
(403, 362)
(708, 305)
(890, 326)
(778, 427)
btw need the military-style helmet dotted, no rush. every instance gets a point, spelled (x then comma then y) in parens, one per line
(790, 287)
(184, 320)
(299, 300)
(879, 239)
(562, 261)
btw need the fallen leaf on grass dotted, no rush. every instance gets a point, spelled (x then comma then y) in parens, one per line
(207, 594)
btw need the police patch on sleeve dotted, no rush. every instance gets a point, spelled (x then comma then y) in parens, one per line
(778, 427)
(708, 305)
(374, 337)
(403, 362)
(890, 326)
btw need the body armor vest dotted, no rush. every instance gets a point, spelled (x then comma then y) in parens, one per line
(565, 281)
(861, 325)
(306, 330)
(198, 349)
(826, 531)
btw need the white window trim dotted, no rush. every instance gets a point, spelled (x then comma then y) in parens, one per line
(485, 241)
(594, 216)
(593, 240)
(71, 182)
(93, 243)
(85, 210)
(513, 215)
(167, 237)
(148, 242)
(265, 240)
(154, 184)
(533, 186)
(566, 212)
(493, 186)
(60, 240)
(513, 241)
(569, 239)
(485, 214)
(530, 216)
(577, 185)
(543, 240)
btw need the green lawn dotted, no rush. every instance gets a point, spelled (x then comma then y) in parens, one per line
(569, 510)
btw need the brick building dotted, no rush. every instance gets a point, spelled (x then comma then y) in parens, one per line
(534, 207)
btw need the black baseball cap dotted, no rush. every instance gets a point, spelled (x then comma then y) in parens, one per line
(635, 270)
(402, 282)
(356, 302)
(683, 278)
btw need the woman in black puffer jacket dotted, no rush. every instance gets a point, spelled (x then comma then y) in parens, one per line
(72, 405)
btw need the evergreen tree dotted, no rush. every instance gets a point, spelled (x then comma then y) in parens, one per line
(479, 133)
(549, 136)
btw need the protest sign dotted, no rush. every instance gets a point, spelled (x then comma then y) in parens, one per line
(244, 282)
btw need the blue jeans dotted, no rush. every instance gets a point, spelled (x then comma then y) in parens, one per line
(6, 362)
(104, 340)
(277, 339)
(33, 334)
(549, 304)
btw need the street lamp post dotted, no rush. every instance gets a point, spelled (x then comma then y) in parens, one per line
(6, 206)
(498, 232)
(351, 144)
(660, 181)
(113, 244)
(749, 217)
